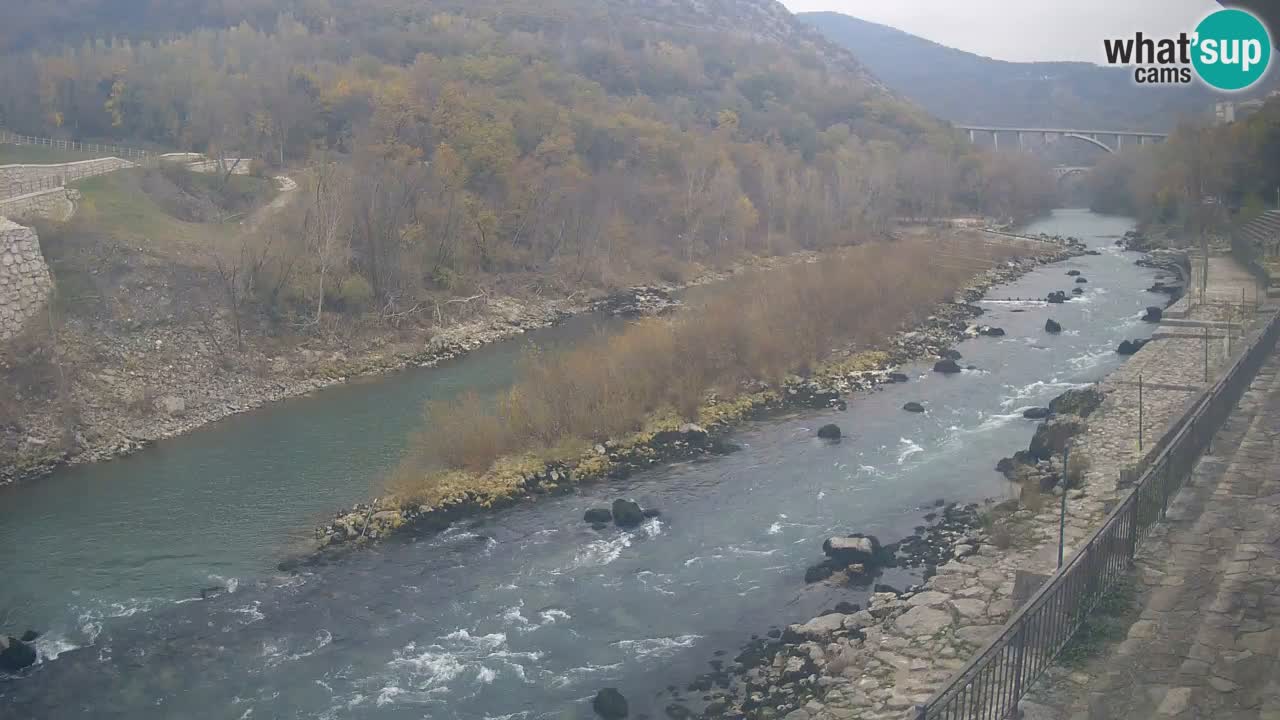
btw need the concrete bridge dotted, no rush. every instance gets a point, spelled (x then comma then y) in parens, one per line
(1093, 137)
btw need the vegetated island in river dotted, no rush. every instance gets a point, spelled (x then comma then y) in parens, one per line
(671, 389)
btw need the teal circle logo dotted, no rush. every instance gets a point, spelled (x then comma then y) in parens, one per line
(1232, 49)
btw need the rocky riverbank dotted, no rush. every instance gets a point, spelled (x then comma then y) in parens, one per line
(882, 661)
(159, 376)
(670, 438)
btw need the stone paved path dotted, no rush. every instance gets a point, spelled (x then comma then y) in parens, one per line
(1206, 643)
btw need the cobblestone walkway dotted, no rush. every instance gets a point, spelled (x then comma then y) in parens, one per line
(1206, 643)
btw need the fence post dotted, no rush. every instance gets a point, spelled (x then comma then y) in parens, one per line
(1140, 413)
(1206, 353)
(1062, 517)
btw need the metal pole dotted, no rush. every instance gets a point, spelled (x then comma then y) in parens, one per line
(1206, 353)
(1062, 514)
(1139, 412)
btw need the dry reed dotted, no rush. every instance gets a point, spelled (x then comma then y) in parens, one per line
(760, 326)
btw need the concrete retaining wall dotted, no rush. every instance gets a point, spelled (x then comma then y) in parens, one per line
(25, 282)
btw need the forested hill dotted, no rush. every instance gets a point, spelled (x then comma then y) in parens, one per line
(586, 141)
(966, 88)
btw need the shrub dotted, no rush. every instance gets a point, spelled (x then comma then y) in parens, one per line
(353, 293)
(762, 325)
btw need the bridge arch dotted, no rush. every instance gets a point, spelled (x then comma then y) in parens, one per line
(1091, 140)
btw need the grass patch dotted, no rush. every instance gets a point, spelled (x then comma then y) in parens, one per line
(658, 373)
(116, 205)
(40, 155)
(1108, 623)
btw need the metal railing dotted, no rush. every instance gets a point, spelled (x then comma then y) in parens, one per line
(121, 151)
(992, 683)
(17, 189)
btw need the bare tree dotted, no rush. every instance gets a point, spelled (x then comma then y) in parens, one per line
(322, 225)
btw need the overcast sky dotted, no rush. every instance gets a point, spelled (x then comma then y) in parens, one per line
(1024, 29)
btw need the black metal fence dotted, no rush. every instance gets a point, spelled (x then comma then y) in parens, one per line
(993, 682)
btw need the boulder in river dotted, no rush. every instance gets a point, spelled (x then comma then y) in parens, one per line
(1130, 347)
(1081, 280)
(597, 515)
(1077, 401)
(1077, 291)
(1052, 436)
(819, 572)
(946, 367)
(1038, 413)
(1057, 297)
(913, 407)
(898, 377)
(627, 513)
(1073, 273)
(610, 704)
(856, 549)
(950, 355)
(694, 434)
(991, 331)
(1153, 315)
(829, 432)
(15, 654)
(29, 636)
(1052, 326)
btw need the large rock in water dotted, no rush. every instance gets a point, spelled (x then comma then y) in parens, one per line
(946, 367)
(913, 407)
(597, 515)
(1073, 273)
(15, 654)
(1036, 413)
(1130, 347)
(610, 704)
(627, 513)
(855, 549)
(1052, 326)
(1153, 315)
(1052, 436)
(1082, 402)
(829, 432)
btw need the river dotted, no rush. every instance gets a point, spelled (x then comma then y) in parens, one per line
(527, 612)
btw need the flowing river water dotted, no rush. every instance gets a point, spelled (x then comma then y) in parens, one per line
(524, 613)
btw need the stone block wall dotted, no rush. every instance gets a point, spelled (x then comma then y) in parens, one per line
(52, 204)
(24, 179)
(25, 282)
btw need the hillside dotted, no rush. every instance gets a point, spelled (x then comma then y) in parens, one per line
(460, 164)
(966, 88)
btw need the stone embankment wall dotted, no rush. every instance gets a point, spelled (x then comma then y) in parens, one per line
(25, 282)
(24, 179)
(54, 204)
(237, 166)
